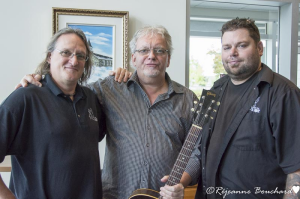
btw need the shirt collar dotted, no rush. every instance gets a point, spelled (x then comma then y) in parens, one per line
(172, 86)
(57, 91)
(264, 75)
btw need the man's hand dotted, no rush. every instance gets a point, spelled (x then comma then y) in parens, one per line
(171, 192)
(121, 74)
(31, 78)
(5, 193)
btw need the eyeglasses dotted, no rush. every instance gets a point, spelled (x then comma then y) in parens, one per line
(66, 53)
(156, 51)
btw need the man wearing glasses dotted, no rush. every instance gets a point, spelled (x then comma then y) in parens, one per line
(53, 132)
(147, 120)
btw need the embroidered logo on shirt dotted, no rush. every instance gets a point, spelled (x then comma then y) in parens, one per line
(91, 115)
(254, 108)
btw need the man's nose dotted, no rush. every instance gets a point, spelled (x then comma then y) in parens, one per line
(233, 51)
(151, 54)
(74, 60)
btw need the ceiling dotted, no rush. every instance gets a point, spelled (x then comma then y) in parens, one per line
(253, 5)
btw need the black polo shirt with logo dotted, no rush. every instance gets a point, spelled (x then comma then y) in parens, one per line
(53, 142)
(260, 145)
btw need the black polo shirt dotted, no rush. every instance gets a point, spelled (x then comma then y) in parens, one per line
(53, 142)
(231, 97)
(259, 147)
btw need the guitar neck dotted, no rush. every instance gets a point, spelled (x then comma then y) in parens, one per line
(184, 155)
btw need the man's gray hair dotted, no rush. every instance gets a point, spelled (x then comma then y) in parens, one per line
(151, 31)
(44, 66)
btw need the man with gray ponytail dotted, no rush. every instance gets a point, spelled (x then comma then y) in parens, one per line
(52, 132)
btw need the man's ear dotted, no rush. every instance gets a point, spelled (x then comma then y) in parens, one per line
(49, 58)
(169, 58)
(133, 59)
(260, 48)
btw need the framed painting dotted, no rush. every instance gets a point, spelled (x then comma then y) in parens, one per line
(107, 34)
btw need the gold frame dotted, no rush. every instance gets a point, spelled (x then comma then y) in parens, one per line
(97, 13)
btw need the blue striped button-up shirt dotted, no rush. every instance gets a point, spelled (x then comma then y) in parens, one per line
(142, 140)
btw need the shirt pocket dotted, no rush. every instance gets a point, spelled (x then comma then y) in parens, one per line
(248, 135)
(174, 130)
(248, 147)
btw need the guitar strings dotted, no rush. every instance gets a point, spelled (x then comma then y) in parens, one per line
(192, 137)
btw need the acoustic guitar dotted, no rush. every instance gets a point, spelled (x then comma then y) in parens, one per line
(203, 112)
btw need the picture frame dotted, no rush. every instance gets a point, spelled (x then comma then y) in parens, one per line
(105, 29)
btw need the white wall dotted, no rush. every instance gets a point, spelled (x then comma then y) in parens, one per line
(26, 29)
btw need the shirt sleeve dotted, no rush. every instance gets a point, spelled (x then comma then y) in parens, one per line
(96, 88)
(193, 166)
(285, 123)
(9, 125)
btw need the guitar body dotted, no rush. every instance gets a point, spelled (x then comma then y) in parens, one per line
(144, 194)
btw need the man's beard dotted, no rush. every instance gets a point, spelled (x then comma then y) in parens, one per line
(245, 70)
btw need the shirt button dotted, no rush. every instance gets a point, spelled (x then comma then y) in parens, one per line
(148, 127)
(147, 144)
(78, 115)
(145, 162)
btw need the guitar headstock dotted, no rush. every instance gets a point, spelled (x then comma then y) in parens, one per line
(206, 108)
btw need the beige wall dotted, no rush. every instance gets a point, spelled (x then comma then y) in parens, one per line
(26, 29)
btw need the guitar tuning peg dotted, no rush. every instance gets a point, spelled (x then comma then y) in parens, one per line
(218, 103)
(192, 109)
(211, 118)
(198, 112)
(212, 101)
(214, 110)
(205, 115)
(203, 97)
(195, 102)
(209, 108)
